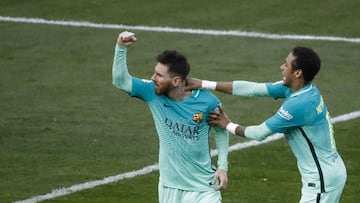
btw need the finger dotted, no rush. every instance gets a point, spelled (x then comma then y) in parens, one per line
(220, 187)
(129, 39)
(216, 112)
(213, 181)
(213, 114)
(212, 122)
(132, 39)
(221, 109)
(224, 184)
(127, 36)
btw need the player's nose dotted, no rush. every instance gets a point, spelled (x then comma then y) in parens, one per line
(153, 77)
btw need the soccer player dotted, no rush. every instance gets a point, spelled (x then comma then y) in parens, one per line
(185, 166)
(303, 118)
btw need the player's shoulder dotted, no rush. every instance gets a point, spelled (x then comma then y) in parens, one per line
(206, 98)
(303, 102)
(142, 82)
(203, 94)
(307, 95)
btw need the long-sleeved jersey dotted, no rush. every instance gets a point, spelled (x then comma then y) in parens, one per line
(305, 122)
(184, 156)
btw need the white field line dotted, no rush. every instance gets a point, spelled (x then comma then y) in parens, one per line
(148, 169)
(178, 30)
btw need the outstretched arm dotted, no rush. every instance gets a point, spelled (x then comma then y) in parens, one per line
(236, 88)
(193, 83)
(121, 77)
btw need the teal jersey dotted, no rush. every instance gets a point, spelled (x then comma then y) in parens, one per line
(305, 122)
(184, 155)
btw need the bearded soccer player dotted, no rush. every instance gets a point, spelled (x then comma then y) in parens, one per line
(186, 170)
(303, 118)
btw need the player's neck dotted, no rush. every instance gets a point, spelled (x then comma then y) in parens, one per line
(298, 85)
(179, 93)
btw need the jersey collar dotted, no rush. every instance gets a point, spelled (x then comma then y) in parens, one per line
(302, 90)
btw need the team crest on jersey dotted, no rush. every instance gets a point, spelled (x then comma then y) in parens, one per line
(197, 117)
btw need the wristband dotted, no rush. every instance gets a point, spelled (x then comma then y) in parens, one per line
(231, 127)
(206, 84)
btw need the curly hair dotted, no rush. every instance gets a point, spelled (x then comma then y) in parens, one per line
(307, 60)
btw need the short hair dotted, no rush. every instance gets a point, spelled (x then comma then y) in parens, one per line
(176, 61)
(307, 60)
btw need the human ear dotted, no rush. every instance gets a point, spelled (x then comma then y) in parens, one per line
(298, 73)
(176, 81)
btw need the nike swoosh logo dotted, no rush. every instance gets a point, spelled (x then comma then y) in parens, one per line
(167, 105)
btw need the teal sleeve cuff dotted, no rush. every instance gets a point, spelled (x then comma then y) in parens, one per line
(120, 47)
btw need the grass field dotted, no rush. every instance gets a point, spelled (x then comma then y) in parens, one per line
(63, 123)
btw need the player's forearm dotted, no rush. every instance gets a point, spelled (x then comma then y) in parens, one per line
(249, 89)
(258, 132)
(237, 88)
(121, 77)
(222, 145)
(224, 87)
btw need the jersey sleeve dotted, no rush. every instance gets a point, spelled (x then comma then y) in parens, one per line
(221, 137)
(257, 132)
(249, 89)
(142, 89)
(289, 115)
(120, 75)
(222, 144)
(277, 90)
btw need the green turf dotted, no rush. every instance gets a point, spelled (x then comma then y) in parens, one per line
(270, 175)
(63, 123)
(321, 17)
